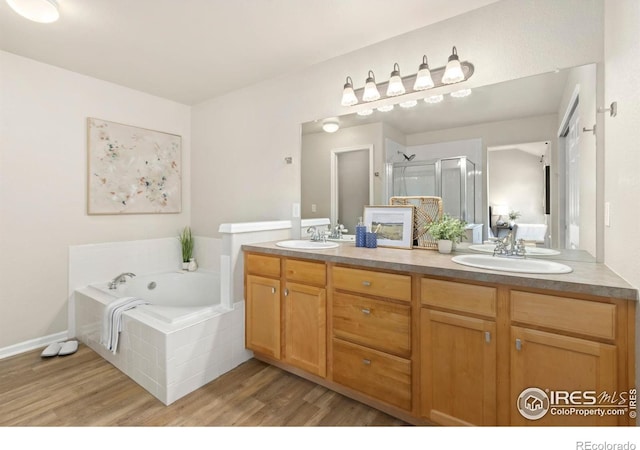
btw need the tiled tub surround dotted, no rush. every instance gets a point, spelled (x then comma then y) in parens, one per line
(169, 354)
(168, 359)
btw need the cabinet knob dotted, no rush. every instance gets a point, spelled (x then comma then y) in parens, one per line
(273, 290)
(366, 283)
(518, 344)
(366, 311)
(366, 362)
(286, 292)
(487, 337)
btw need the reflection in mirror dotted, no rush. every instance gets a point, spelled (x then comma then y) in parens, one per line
(528, 141)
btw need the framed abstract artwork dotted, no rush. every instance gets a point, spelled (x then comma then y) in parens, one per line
(132, 170)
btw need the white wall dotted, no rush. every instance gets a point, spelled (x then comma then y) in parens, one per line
(43, 188)
(240, 139)
(622, 138)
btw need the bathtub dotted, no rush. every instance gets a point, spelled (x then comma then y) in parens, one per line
(182, 340)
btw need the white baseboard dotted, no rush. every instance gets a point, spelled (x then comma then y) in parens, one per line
(33, 344)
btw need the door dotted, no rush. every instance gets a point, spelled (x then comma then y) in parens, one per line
(351, 184)
(305, 328)
(458, 372)
(263, 315)
(549, 362)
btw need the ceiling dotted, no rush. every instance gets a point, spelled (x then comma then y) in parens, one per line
(193, 50)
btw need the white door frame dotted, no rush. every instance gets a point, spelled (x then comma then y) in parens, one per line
(335, 189)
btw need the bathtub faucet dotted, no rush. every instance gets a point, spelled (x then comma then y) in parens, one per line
(122, 278)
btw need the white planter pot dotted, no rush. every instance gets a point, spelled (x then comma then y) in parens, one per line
(444, 246)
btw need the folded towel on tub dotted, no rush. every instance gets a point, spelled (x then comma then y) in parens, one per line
(112, 320)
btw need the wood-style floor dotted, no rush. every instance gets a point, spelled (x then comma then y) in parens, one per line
(84, 390)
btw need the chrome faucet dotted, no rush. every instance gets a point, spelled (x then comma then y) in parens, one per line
(122, 278)
(316, 234)
(510, 246)
(336, 232)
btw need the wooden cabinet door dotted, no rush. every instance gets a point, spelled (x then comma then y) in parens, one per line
(458, 369)
(305, 328)
(553, 362)
(263, 315)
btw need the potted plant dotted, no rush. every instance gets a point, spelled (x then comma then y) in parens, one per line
(513, 215)
(186, 242)
(447, 231)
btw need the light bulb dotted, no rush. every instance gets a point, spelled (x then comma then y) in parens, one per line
(370, 89)
(423, 78)
(396, 87)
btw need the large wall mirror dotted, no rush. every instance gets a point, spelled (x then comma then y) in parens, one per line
(525, 147)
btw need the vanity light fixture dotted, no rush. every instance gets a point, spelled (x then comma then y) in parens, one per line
(423, 78)
(396, 87)
(426, 78)
(409, 104)
(453, 71)
(461, 93)
(42, 11)
(331, 125)
(348, 94)
(365, 112)
(385, 108)
(370, 89)
(434, 98)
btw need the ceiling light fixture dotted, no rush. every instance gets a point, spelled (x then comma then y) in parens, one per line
(426, 78)
(453, 71)
(331, 125)
(42, 11)
(348, 94)
(395, 83)
(423, 78)
(370, 89)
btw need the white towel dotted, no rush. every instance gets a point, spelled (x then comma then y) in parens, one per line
(112, 320)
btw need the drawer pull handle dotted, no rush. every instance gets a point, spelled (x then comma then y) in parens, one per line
(366, 283)
(518, 344)
(366, 311)
(273, 290)
(366, 362)
(487, 337)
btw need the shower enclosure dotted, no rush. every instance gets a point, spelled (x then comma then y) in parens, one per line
(452, 179)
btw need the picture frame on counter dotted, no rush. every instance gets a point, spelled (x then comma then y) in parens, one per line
(392, 224)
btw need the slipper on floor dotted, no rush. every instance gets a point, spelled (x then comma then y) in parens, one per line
(68, 348)
(51, 350)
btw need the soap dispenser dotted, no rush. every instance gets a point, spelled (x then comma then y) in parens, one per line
(361, 233)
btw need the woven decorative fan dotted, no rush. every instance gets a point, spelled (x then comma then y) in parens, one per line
(426, 210)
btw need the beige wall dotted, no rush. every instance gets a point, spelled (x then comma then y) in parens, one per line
(43, 172)
(622, 138)
(240, 139)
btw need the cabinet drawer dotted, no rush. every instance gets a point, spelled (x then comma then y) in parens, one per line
(383, 325)
(564, 314)
(459, 296)
(370, 282)
(379, 375)
(268, 266)
(305, 271)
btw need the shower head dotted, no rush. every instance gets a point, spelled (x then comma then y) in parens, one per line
(409, 158)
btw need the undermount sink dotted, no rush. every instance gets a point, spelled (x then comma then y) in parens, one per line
(511, 264)
(302, 244)
(533, 251)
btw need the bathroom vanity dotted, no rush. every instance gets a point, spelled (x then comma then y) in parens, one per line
(432, 342)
